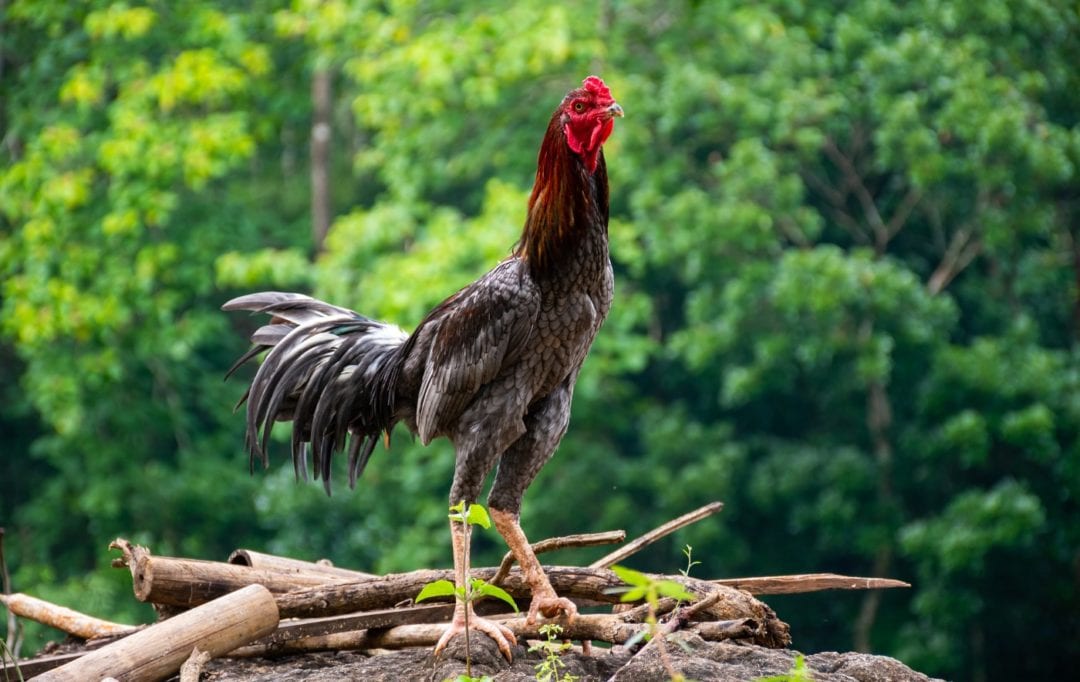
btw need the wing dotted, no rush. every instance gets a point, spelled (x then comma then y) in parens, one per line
(480, 331)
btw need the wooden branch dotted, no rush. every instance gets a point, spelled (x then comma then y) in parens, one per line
(720, 630)
(62, 618)
(853, 179)
(564, 542)
(655, 534)
(903, 212)
(158, 651)
(32, 667)
(962, 249)
(809, 582)
(287, 566)
(192, 667)
(189, 582)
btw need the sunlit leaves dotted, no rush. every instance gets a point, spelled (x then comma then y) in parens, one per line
(120, 20)
(196, 77)
(84, 86)
(283, 269)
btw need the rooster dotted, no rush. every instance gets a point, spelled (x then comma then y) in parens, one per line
(492, 368)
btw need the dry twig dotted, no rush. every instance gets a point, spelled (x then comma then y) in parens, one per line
(192, 668)
(655, 534)
(564, 542)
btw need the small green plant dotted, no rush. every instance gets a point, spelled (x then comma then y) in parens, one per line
(470, 515)
(798, 673)
(551, 668)
(644, 587)
(5, 654)
(688, 552)
(466, 678)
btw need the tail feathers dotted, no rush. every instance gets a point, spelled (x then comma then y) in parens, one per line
(330, 370)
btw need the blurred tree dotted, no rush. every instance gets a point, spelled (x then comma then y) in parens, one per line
(122, 125)
(847, 301)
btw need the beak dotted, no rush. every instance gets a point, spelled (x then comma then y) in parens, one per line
(614, 110)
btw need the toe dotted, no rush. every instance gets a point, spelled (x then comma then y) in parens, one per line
(445, 639)
(503, 636)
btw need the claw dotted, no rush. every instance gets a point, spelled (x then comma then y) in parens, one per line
(502, 635)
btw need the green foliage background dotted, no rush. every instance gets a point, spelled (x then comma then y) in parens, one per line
(847, 244)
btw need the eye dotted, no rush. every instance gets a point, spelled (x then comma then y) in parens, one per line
(579, 106)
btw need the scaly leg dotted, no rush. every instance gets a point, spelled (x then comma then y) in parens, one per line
(544, 599)
(462, 610)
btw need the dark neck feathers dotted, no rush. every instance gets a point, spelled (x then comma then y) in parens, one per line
(568, 205)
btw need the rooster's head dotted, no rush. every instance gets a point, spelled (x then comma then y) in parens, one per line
(588, 116)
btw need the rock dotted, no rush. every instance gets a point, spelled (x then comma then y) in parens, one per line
(730, 662)
(689, 654)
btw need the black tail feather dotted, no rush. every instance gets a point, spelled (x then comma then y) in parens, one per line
(329, 370)
(360, 450)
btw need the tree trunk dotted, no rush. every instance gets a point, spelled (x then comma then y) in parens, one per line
(878, 423)
(321, 209)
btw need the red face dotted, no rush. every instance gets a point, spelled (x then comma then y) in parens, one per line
(588, 117)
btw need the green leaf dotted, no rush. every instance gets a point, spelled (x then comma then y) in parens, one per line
(635, 594)
(670, 588)
(489, 590)
(439, 588)
(630, 576)
(478, 516)
(472, 514)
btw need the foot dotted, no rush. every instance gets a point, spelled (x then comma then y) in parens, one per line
(502, 635)
(544, 600)
(550, 606)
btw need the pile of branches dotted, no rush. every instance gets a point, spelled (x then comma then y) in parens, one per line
(263, 605)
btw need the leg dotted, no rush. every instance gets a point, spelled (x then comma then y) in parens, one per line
(545, 426)
(544, 599)
(464, 616)
(476, 451)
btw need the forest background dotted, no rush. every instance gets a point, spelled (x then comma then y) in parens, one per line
(847, 248)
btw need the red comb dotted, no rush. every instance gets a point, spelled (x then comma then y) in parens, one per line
(595, 86)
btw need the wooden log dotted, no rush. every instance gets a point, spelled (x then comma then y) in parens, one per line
(288, 566)
(655, 534)
(158, 651)
(586, 627)
(381, 619)
(569, 581)
(808, 582)
(189, 582)
(62, 618)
